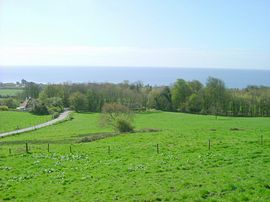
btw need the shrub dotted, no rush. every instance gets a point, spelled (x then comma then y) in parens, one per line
(111, 112)
(39, 108)
(55, 115)
(3, 108)
(53, 110)
(123, 126)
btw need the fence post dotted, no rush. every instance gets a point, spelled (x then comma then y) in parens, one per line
(261, 139)
(26, 148)
(209, 144)
(109, 150)
(70, 150)
(157, 148)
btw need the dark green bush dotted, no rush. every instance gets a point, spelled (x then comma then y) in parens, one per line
(55, 115)
(3, 108)
(52, 110)
(123, 126)
(39, 108)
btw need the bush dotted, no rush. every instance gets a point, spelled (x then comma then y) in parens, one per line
(123, 126)
(52, 110)
(39, 108)
(10, 103)
(112, 113)
(55, 115)
(3, 108)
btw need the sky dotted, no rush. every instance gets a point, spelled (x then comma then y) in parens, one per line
(141, 33)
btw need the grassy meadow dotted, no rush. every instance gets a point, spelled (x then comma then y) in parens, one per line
(10, 92)
(12, 120)
(131, 167)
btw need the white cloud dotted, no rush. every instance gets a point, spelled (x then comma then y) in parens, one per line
(129, 56)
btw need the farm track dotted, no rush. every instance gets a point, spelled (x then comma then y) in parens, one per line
(61, 117)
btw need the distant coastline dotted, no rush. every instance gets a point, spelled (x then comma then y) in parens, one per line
(234, 78)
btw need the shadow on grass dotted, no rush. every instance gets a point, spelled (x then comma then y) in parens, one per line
(81, 138)
(20, 142)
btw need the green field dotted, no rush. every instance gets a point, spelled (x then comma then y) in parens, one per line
(10, 92)
(128, 167)
(11, 120)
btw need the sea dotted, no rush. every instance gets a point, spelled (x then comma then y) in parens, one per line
(233, 78)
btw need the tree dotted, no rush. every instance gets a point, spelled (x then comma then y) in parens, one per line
(10, 103)
(117, 116)
(78, 101)
(215, 93)
(31, 90)
(94, 101)
(39, 108)
(160, 99)
(194, 104)
(180, 93)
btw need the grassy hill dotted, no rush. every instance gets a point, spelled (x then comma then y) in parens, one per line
(9, 92)
(130, 167)
(11, 120)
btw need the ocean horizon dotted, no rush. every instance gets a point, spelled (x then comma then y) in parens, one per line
(233, 78)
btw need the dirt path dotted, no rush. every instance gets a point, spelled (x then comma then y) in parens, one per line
(61, 117)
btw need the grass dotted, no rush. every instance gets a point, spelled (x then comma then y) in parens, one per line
(128, 168)
(12, 120)
(9, 92)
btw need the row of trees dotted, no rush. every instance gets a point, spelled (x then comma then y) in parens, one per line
(183, 96)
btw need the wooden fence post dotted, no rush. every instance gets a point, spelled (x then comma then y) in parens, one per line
(209, 144)
(26, 148)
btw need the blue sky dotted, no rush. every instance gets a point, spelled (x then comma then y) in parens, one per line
(158, 33)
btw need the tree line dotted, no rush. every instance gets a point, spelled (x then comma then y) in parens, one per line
(182, 96)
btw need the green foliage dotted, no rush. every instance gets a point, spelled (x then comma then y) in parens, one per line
(117, 116)
(12, 103)
(215, 93)
(3, 108)
(183, 96)
(9, 102)
(123, 126)
(78, 101)
(39, 108)
(180, 93)
(31, 89)
(94, 100)
(194, 103)
(160, 99)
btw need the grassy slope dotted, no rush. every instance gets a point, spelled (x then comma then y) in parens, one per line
(10, 120)
(10, 92)
(236, 168)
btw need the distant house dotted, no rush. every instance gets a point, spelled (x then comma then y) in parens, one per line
(25, 105)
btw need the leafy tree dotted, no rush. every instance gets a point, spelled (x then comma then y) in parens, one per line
(78, 101)
(194, 104)
(10, 103)
(215, 94)
(94, 101)
(39, 108)
(160, 99)
(31, 90)
(180, 93)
